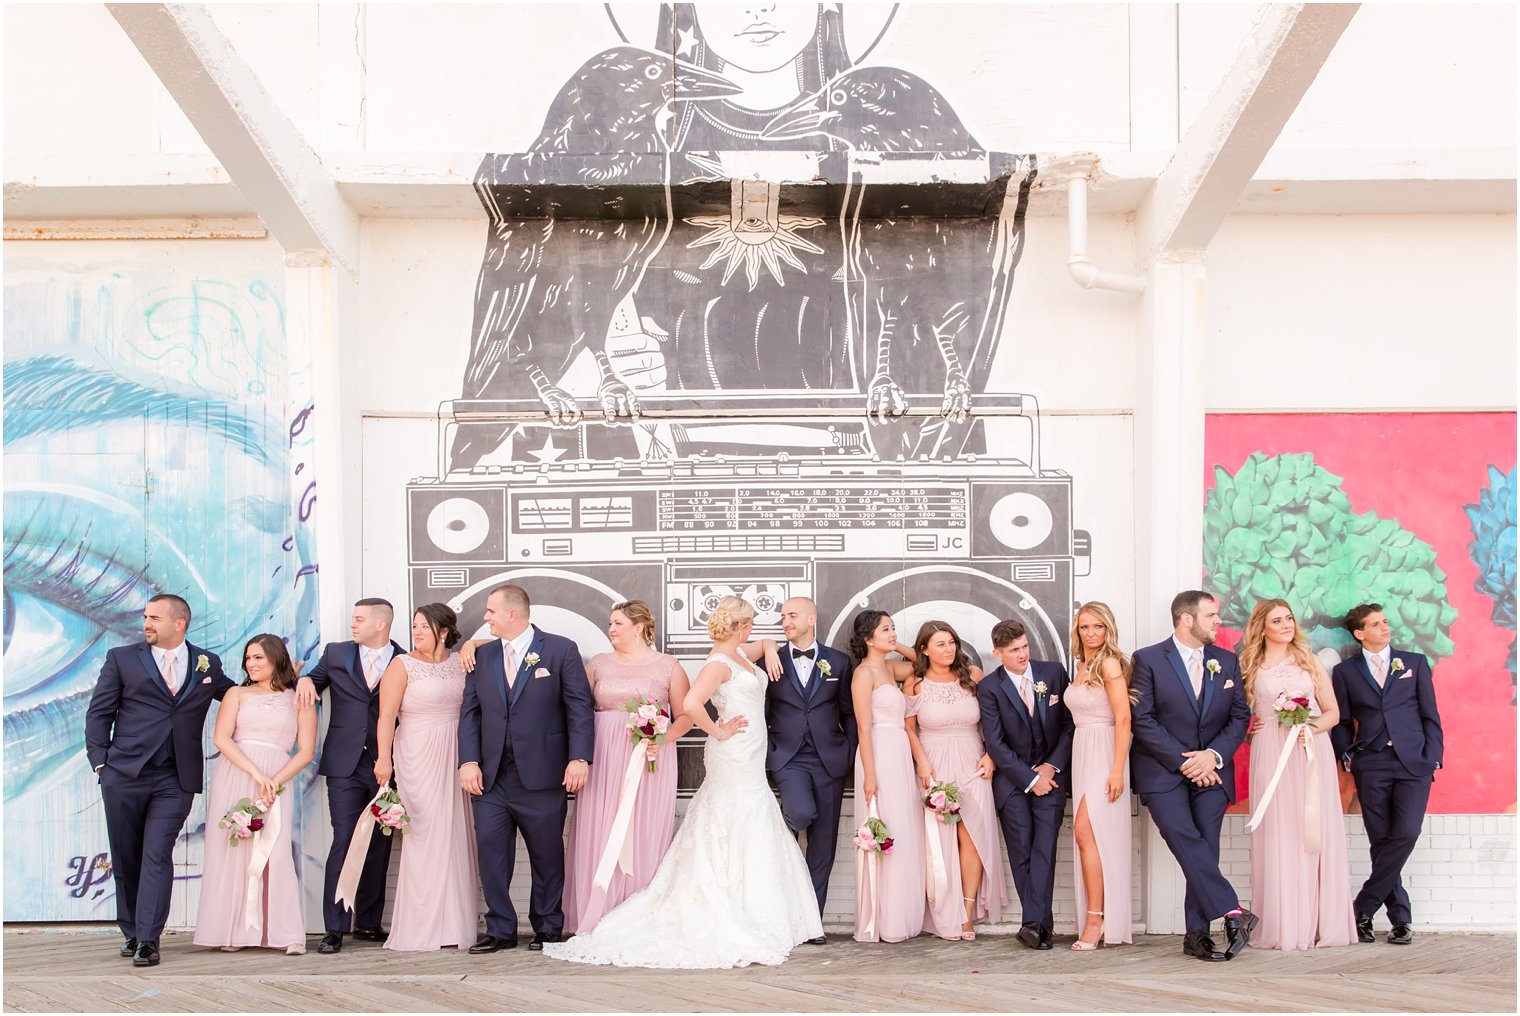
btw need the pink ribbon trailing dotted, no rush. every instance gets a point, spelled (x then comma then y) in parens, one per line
(358, 848)
(259, 849)
(1311, 788)
(870, 889)
(618, 853)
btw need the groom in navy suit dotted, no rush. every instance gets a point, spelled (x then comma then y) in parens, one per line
(142, 735)
(1027, 731)
(526, 731)
(1190, 715)
(810, 727)
(1389, 738)
(350, 673)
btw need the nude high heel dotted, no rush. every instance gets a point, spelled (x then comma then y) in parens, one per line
(969, 934)
(1081, 946)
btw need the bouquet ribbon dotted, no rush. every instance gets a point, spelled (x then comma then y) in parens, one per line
(872, 886)
(259, 849)
(358, 849)
(619, 849)
(1311, 819)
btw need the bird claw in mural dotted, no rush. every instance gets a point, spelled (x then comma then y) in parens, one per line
(956, 406)
(886, 400)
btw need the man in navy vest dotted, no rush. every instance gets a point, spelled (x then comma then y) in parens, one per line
(1190, 715)
(526, 732)
(1027, 731)
(350, 673)
(810, 726)
(142, 735)
(1389, 738)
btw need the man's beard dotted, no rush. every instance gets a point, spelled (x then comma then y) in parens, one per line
(1202, 634)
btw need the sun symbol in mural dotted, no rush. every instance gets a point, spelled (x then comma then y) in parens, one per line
(755, 241)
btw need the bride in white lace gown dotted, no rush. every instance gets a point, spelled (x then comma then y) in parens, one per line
(733, 889)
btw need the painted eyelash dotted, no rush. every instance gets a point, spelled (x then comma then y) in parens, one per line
(54, 571)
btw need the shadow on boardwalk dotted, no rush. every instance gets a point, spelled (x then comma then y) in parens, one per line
(54, 971)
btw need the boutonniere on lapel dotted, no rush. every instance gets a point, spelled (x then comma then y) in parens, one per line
(202, 664)
(1040, 688)
(824, 668)
(1396, 666)
(531, 660)
(1212, 666)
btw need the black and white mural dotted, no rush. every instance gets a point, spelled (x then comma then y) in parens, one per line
(733, 332)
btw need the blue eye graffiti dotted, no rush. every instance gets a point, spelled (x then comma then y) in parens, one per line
(148, 448)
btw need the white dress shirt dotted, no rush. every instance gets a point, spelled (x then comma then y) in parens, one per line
(805, 670)
(1188, 654)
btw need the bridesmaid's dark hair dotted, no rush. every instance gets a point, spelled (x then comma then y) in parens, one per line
(864, 627)
(960, 667)
(278, 657)
(440, 617)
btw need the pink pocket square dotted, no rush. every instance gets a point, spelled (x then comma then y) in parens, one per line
(541, 672)
(1054, 699)
(1229, 684)
(206, 679)
(1405, 676)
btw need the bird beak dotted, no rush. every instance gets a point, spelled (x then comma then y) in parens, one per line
(802, 118)
(693, 82)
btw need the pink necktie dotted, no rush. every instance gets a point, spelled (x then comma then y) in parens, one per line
(371, 668)
(1379, 670)
(509, 663)
(1195, 673)
(168, 671)
(1026, 693)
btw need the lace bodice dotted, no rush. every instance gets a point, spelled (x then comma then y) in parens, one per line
(615, 682)
(740, 759)
(433, 690)
(269, 718)
(1288, 677)
(945, 707)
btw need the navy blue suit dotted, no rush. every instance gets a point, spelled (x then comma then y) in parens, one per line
(811, 739)
(150, 745)
(348, 764)
(1016, 743)
(1167, 720)
(1392, 738)
(522, 742)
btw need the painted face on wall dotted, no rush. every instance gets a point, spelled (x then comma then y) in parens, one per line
(757, 37)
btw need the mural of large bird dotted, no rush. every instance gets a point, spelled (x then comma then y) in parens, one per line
(548, 287)
(910, 323)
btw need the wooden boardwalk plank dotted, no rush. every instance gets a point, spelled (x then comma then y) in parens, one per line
(69, 970)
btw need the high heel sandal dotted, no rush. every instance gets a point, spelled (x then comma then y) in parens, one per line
(1082, 946)
(969, 934)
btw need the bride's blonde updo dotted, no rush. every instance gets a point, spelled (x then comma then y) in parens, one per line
(731, 612)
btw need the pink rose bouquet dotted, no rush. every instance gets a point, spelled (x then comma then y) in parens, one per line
(243, 820)
(388, 810)
(648, 721)
(874, 836)
(943, 799)
(1291, 709)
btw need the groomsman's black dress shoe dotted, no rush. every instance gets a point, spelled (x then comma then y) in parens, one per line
(1202, 947)
(147, 955)
(820, 940)
(1400, 934)
(1364, 930)
(331, 942)
(1045, 942)
(1239, 927)
(537, 945)
(371, 934)
(129, 948)
(490, 943)
(1029, 934)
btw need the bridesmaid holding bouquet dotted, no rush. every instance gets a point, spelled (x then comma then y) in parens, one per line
(255, 729)
(889, 888)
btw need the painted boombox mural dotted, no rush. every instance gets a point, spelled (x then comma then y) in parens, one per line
(766, 509)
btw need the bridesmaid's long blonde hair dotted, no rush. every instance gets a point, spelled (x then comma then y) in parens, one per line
(1108, 650)
(1253, 646)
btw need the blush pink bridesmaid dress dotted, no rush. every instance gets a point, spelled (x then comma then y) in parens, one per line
(596, 804)
(889, 906)
(1092, 759)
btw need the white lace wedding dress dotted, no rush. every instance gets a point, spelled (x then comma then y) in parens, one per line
(733, 889)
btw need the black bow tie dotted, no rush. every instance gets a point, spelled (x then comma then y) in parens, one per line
(798, 654)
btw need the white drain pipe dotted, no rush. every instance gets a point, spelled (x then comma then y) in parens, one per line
(1087, 274)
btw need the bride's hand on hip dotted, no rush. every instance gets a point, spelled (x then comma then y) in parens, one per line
(731, 726)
